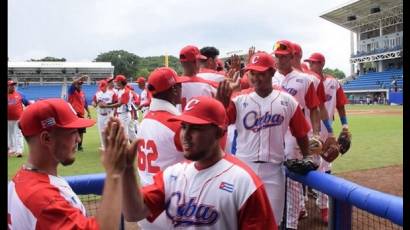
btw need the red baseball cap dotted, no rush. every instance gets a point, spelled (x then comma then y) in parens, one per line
(140, 80)
(102, 84)
(120, 78)
(283, 47)
(49, 113)
(11, 82)
(203, 110)
(261, 61)
(162, 79)
(190, 53)
(316, 57)
(297, 50)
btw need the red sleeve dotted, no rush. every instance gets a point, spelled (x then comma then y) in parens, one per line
(311, 97)
(299, 127)
(61, 215)
(125, 97)
(341, 98)
(114, 98)
(256, 212)
(321, 93)
(94, 99)
(231, 113)
(154, 197)
(177, 139)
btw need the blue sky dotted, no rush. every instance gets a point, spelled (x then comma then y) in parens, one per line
(79, 30)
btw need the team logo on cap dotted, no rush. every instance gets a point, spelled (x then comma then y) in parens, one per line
(255, 59)
(48, 122)
(191, 103)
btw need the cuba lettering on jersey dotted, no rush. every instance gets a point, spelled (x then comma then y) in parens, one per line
(211, 75)
(158, 147)
(41, 201)
(227, 195)
(261, 124)
(107, 97)
(196, 87)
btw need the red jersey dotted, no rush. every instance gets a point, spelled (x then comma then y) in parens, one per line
(16, 100)
(77, 100)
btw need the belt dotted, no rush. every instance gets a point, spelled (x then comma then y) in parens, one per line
(260, 162)
(103, 114)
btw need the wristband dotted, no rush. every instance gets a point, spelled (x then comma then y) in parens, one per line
(343, 120)
(328, 125)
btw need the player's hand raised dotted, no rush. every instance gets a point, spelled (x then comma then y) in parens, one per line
(113, 156)
(224, 92)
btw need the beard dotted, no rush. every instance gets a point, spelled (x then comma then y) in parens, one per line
(67, 162)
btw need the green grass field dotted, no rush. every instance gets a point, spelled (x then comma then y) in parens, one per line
(377, 142)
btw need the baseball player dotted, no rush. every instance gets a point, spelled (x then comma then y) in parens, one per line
(302, 88)
(208, 65)
(335, 98)
(40, 199)
(189, 57)
(262, 116)
(319, 88)
(103, 97)
(159, 145)
(212, 190)
(124, 106)
(76, 98)
(145, 98)
(16, 100)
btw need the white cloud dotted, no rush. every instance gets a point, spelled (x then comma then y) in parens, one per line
(79, 30)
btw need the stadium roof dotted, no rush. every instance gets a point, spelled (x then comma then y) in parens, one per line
(359, 12)
(60, 65)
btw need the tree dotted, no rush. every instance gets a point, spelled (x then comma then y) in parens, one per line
(338, 74)
(124, 63)
(53, 59)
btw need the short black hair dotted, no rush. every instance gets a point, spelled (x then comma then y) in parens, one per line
(210, 52)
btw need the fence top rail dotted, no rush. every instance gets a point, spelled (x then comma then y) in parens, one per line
(381, 204)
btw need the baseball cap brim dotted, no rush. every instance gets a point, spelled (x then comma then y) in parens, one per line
(312, 60)
(282, 52)
(256, 68)
(78, 123)
(13, 83)
(190, 119)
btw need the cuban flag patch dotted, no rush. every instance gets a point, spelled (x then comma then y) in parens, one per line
(48, 122)
(226, 186)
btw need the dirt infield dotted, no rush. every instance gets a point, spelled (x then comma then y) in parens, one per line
(379, 111)
(387, 179)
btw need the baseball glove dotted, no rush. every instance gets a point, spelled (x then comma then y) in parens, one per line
(344, 140)
(315, 145)
(301, 166)
(331, 152)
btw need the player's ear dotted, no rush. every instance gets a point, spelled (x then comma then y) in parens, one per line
(44, 137)
(220, 132)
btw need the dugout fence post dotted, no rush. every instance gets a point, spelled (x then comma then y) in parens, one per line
(340, 216)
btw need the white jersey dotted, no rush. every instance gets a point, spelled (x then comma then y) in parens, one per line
(107, 97)
(226, 195)
(144, 97)
(298, 85)
(196, 87)
(263, 122)
(211, 75)
(160, 138)
(40, 201)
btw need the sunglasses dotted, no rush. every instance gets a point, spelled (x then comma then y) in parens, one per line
(280, 46)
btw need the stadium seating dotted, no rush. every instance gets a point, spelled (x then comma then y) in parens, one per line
(376, 80)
